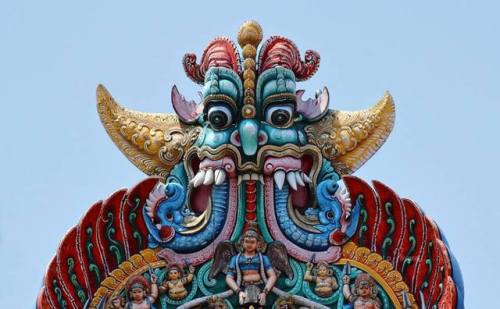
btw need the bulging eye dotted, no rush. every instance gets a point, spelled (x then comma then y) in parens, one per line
(219, 117)
(279, 115)
(329, 215)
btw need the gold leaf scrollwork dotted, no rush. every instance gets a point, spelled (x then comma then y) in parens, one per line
(380, 270)
(117, 279)
(153, 142)
(349, 139)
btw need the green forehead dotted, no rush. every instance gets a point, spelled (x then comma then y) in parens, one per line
(223, 81)
(277, 80)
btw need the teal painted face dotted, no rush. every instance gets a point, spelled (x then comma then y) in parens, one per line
(276, 122)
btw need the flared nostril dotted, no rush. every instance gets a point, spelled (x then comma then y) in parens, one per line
(262, 138)
(235, 139)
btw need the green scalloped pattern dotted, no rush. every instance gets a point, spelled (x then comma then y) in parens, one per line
(132, 218)
(388, 237)
(74, 281)
(93, 268)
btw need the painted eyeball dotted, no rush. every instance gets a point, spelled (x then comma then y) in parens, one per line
(279, 115)
(219, 117)
(330, 215)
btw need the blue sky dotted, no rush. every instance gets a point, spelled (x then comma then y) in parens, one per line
(439, 59)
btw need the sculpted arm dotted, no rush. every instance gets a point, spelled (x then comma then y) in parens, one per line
(334, 283)
(345, 289)
(231, 272)
(154, 289)
(190, 275)
(308, 276)
(271, 279)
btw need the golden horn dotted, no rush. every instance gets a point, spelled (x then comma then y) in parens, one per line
(153, 142)
(349, 139)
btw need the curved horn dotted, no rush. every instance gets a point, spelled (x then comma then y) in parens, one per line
(313, 109)
(153, 142)
(349, 139)
(188, 111)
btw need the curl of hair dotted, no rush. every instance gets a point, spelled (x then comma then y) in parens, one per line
(220, 52)
(280, 51)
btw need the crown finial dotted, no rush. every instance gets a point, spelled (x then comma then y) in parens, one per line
(250, 33)
(249, 38)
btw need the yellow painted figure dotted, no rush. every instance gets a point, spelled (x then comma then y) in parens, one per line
(284, 302)
(215, 302)
(175, 284)
(324, 279)
(364, 293)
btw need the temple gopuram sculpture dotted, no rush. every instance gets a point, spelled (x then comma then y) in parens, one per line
(250, 201)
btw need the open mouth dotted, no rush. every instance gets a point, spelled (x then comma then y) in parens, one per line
(295, 169)
(297, 173)
(207, 176)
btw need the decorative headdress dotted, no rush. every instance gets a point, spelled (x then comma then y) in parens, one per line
(221, 52)
(250, 80)
(280, 51)
(369, 280)
(176, 266)
(137, 282)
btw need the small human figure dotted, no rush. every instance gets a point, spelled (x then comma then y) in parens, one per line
(138, 293)
(284, 302)
(363, 294)
(216, 302)
(175, 283)
(248, 270)
(324, 279)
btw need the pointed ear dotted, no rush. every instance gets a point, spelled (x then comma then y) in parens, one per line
(313, 109)
(188, 111)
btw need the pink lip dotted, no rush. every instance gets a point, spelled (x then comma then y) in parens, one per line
(227, 163)
(285, 163)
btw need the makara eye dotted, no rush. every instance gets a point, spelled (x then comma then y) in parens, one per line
(219, 117)
(279, 115)
(329, 215)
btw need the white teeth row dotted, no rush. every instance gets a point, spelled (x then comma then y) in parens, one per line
(293, 178)
(345, 198)
(208, 177)
(252, 176)
(157, 193)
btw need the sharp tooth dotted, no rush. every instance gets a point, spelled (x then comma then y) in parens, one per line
(148, 202)
(198, 179)
(158, 226)
(298, 177)
(209, 177)
(220, 176)
(246, 176)
(261, 178)
(150, 214)
(279, 178)
(254, 176)
(240, 178)
(290, 177)
(306, 178)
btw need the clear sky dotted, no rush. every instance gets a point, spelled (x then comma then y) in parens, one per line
(439, 59)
